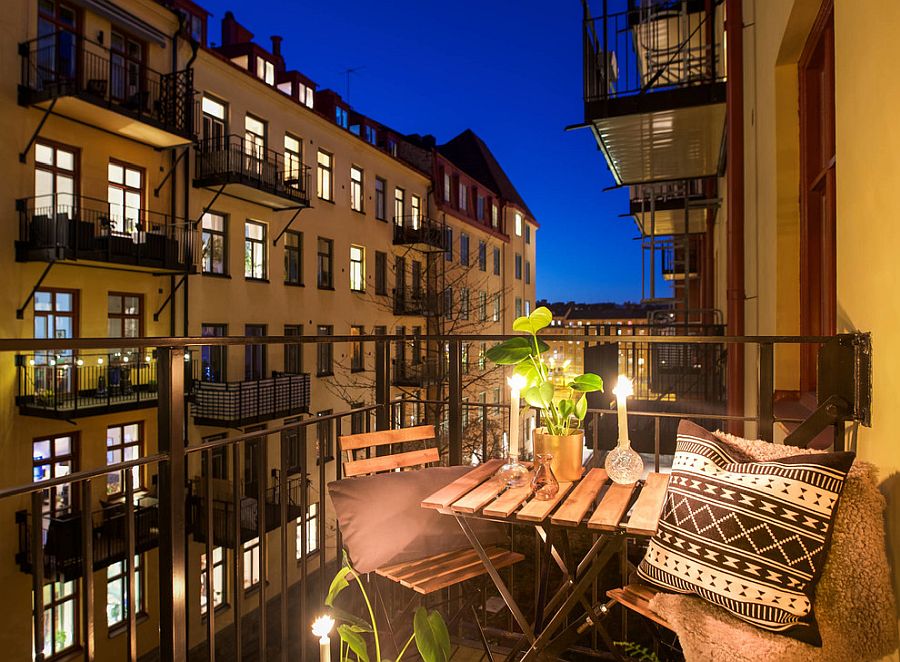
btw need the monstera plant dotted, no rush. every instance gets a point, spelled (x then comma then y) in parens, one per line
(562, 409)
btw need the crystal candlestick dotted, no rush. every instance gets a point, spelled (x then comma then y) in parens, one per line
(623, 464)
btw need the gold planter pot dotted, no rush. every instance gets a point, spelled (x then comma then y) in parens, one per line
(567, 451)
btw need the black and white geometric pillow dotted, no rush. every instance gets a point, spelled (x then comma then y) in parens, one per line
(750, 537)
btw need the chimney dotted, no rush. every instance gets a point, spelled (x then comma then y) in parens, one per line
(276, 45)
(233, 32)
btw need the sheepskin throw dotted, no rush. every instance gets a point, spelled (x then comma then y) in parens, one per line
(750, 537)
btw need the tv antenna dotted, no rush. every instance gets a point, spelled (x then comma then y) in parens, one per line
(347, 72)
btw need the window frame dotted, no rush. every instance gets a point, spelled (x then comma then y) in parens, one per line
(324, 352)
(357, 189)
(325, 264)
(251, 246)
(325, 175)
(213, 234)
(137, 472)
(293, 254)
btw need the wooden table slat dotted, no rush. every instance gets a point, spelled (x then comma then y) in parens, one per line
(612, 507)
(537, 511)
(480, 496)
(462, 485)
(506, 504)
(644, 520)
(580, 500)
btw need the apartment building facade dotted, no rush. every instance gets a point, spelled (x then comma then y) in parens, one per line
(163, 187)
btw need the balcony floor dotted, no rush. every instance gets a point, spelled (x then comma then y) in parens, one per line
(88, 406)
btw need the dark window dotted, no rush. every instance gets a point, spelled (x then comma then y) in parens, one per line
(496, 261)
(482, 256)
(448, 244)
(293, 257)
(213, 358)
(518, 266)
(527, 273)
(527, 234)
(416, 278)
(325, 436)
(464, 303)
(293, 440)
(325, 264)
(357, 356)
(214, 248)
(254, 355)
(380, 272)
(293, 354)
(124, 315)
(448, 303)
(380, 201)
(324, 352)
(464, 250)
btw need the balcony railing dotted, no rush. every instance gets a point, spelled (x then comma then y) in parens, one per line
(653, 46)
(235, 160)
(235, 404)
(62, 545)
(466, 432)
(419, 373)
(65, 384)
(417, 302)
(416, 230)
(63, 226)
(223, 512)
(67, 65)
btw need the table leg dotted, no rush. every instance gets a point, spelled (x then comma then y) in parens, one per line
(497, 579)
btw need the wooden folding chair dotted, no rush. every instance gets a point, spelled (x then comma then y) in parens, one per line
(434, 573)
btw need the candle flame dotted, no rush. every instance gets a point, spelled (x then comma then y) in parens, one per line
(517, 382)
(623, 387)
(322, 626)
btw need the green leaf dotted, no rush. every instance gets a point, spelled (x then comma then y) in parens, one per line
(345, 616)
(586, 383)
(338, 584)
(355, 641)
(581, 408)
(539, 318)
(432, 638)
(514, 350)
(527, 370)
(540, 395)
(566, 409)
(522, 325)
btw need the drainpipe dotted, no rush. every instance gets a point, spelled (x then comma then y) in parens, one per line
(734, 104)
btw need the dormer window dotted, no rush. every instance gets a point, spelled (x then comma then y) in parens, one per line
(340, 117)
(371, 135)
(265, 70)
(392, 147)
(305, 95)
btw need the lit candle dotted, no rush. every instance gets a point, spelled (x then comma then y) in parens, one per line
(321, 628)
(516, 384)
(622, 390)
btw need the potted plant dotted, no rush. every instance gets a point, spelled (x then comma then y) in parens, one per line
(562, 410)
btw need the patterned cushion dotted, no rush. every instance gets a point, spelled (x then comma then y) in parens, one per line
(750, 537)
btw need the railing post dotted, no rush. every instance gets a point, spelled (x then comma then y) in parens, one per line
(37, 572)
(454, 404)
(382, 383)
(766, 394)
(87, 565)
(172, 565)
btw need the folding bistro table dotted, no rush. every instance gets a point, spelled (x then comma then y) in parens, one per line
(594, 505)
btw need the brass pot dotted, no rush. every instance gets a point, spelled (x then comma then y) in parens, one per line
(567, 451)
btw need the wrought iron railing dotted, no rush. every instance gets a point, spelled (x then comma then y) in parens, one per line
(63, 226)
(423, 372)
(411, 301)
(466, 432)
(67, 64)
(237, 159)
(418, 229)
(235, 404)
(652, 46)
(67, 384)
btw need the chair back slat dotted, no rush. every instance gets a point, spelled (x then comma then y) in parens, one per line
(354, 442)
(390, 462)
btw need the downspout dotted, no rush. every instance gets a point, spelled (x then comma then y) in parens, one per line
(734, 105)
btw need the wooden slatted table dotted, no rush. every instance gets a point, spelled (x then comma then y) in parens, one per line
(594, 504)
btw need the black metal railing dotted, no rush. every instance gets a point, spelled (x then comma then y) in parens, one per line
(677, 262)
(235, 404)
(306, 451)
(414, 230)
(418, 373)
(66, 384)
(652, 46)
(63, 226)
(62, 544)
(418, 302)
(65, 64)
(238, 160)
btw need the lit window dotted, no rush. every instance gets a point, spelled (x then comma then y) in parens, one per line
(305, 95)
(218, 577)
(518, 224)
(399, 205)
(312, 530)
(293, 161)
(446, 187)
(123, 444)
(357, 268)
(252, 567)
(463, 197)
(324, 182)
(117, 591)
(356, 189)
(125, 193)
(254, 250)
(495, 215)
(60, 609)
(213, 256)
(415, 204)
(265, 70)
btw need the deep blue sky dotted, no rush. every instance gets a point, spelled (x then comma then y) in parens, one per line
(510, 71)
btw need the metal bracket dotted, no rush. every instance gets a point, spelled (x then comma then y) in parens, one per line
(169, 298)
(20, 312)
(23, 155)
(209, 206)
(834, 410)
(286, 227)
(169, 173)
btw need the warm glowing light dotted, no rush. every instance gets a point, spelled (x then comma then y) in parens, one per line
(100, 361)
(623, 388)
(147, 358)
(125, 359)
(30, 361)
(517, 382)
(187, 357)
(567, 363)
(80, 362)
(321, 627)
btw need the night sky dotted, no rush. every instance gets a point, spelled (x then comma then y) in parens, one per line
(510, 71)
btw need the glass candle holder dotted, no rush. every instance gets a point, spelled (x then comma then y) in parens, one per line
(544, 483)
(513, 473)
(623, 464)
